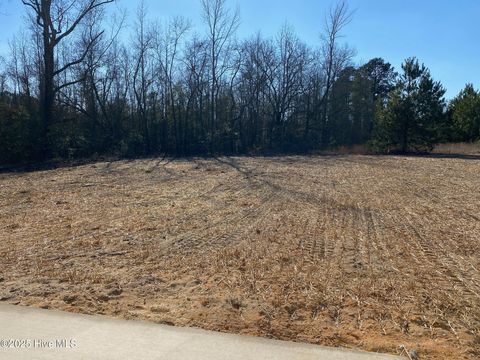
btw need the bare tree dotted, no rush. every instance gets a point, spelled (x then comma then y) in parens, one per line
(335, 56)
(293, 60)
(56, 20)
(195, 62)
(143, 72)
(97, 81)
(21, 68)
(222, 25)
(160, 90)
(249, 93)
(167, 52)
(3, 76)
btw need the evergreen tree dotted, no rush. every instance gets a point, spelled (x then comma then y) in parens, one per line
(372, 84)
(465, 115)
(340, 112)
(381, 75)
(414, 113)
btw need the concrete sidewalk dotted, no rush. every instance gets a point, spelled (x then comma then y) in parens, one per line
(58, 335)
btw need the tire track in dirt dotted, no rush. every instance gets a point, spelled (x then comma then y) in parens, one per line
(124, 235)
(329, 239)
(209, 196)
(347, 246)
(336, 257)
(378, 233)
(376, 259)
(409, 250)
(243, 222)
(192, 240)
(313, 238)
(464, 266)
(427, 262)
(308, 241)
(448, 242)
(244, 225)
(321, 240)
(367, 247)
(446, 264)
(344, 244)
(351, 254)
(316, 243)
(422, 271)
(362, 242)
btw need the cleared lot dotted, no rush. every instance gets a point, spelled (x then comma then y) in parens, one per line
(359, 251)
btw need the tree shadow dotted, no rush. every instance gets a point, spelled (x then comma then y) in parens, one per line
(235, 165)
(447, 156)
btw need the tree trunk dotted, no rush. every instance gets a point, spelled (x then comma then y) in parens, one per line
(48, 95)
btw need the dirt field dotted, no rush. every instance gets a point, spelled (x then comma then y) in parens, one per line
(365, 252)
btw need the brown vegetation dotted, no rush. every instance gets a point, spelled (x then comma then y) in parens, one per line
(470, 148)
(365, 252)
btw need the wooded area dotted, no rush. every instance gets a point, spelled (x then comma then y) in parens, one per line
(78, 83)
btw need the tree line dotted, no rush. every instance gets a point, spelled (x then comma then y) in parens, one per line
(77, 83)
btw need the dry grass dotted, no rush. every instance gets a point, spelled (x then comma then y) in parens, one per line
(358, 251)
(458, 148)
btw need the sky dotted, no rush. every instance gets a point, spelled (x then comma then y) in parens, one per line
(443, 34)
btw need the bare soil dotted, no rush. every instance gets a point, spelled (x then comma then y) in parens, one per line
(373, 253)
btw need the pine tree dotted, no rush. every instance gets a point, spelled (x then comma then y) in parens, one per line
(414, 113)
(465, 112)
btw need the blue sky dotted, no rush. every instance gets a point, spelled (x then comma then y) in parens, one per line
(444, 34)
